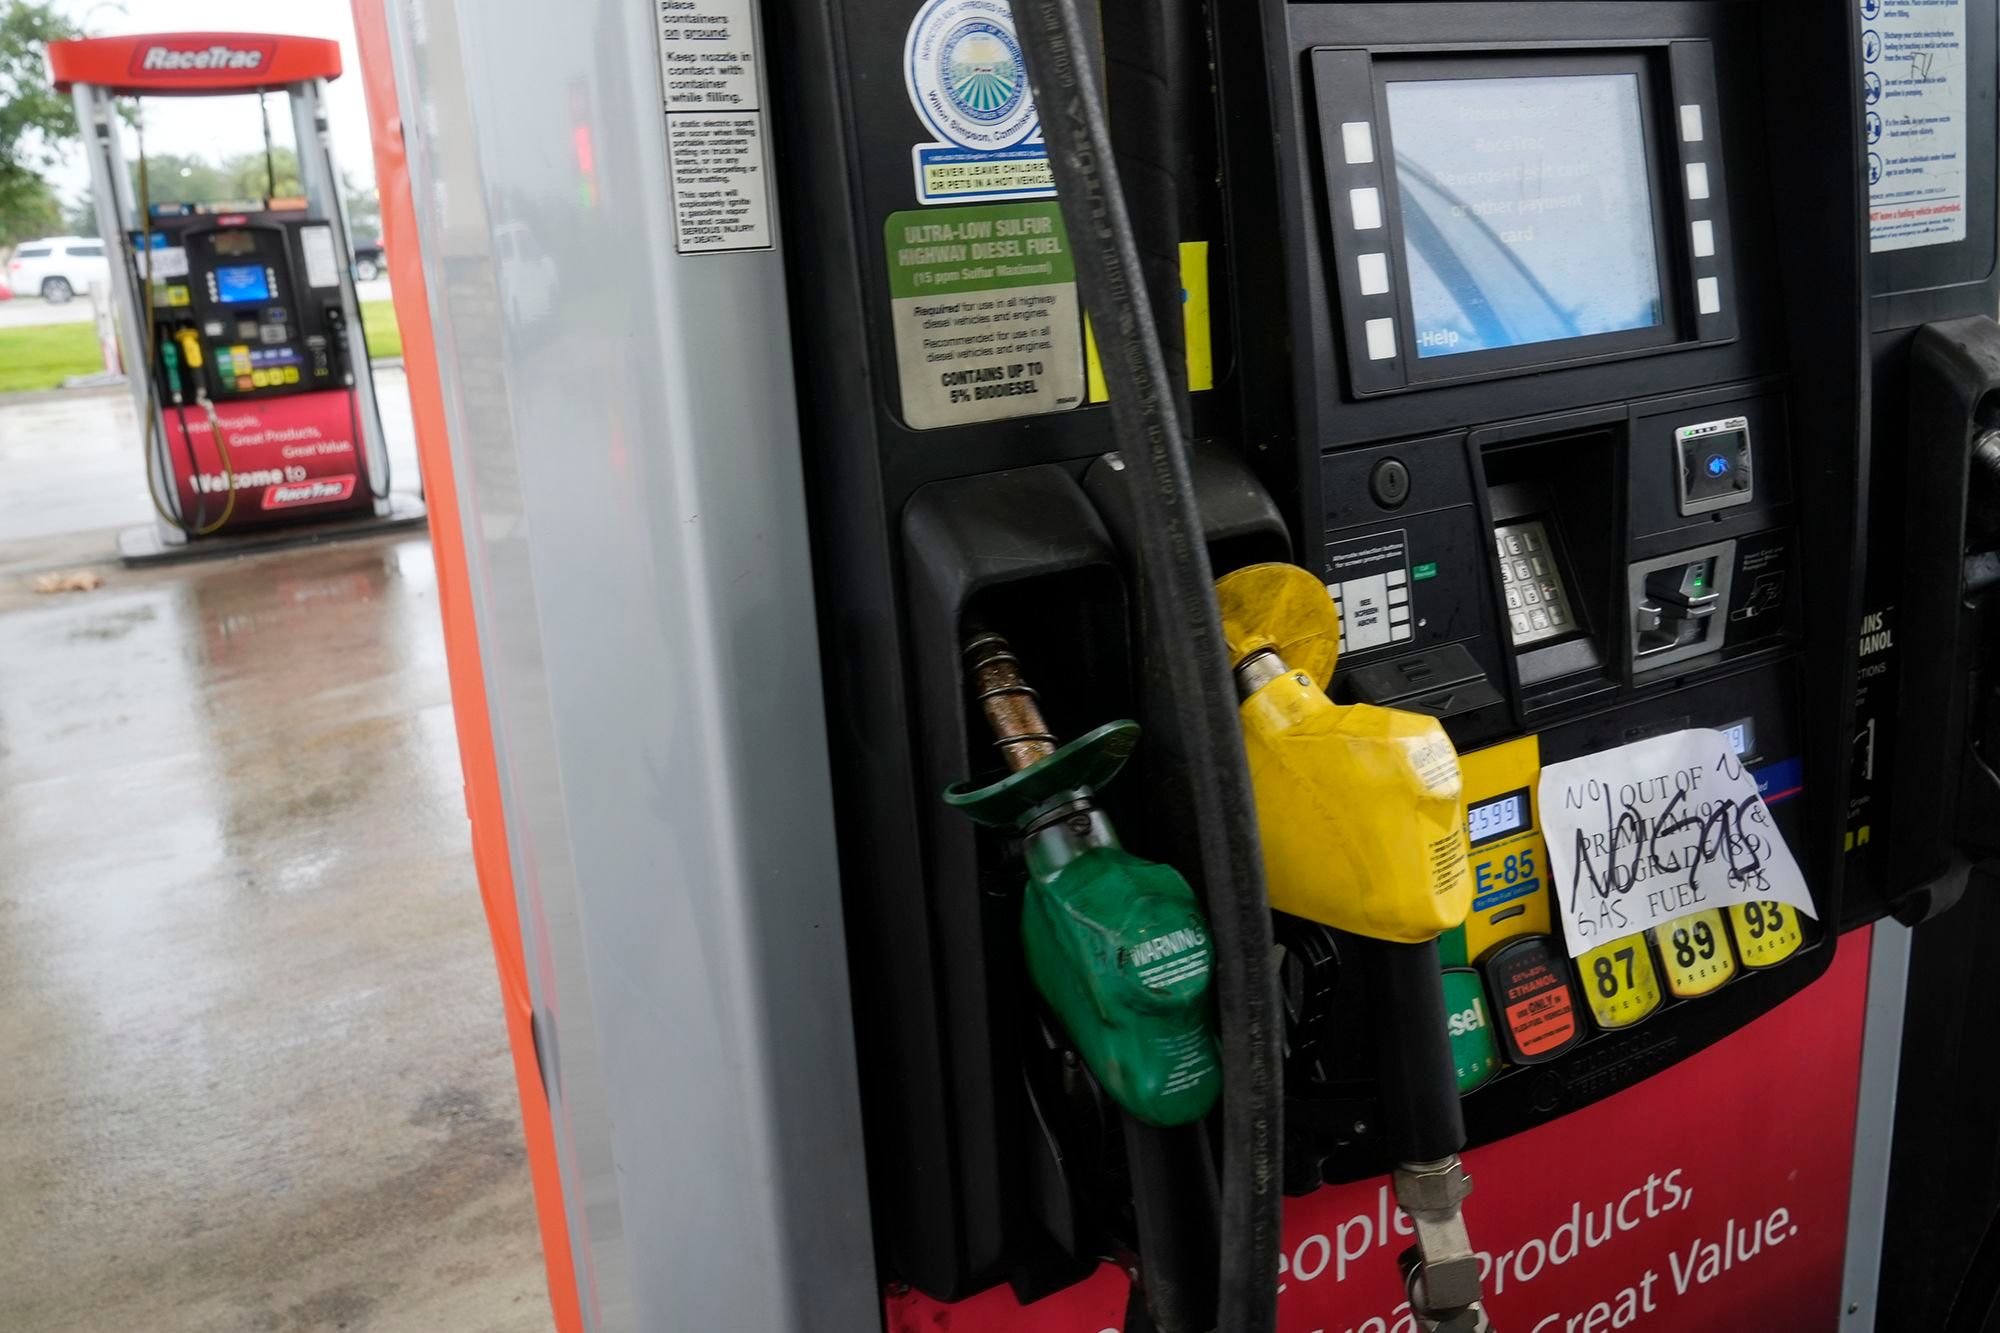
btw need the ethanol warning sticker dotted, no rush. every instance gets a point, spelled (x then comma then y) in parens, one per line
(985, 310)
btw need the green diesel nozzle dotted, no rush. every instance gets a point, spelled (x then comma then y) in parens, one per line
(173, 364)
(1116, 945)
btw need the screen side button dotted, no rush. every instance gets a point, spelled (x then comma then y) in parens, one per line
(1366, 205)
(1357, 142)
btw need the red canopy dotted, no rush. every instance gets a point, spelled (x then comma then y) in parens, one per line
(193, 62)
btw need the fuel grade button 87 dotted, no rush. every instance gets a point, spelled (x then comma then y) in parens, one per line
(1528, 979)
(1620, 982)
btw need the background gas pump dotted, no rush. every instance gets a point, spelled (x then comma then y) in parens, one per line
(239, 323)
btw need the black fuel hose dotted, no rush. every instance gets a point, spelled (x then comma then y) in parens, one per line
(1177, 587)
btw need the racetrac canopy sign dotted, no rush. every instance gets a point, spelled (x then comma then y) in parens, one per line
(193, 62)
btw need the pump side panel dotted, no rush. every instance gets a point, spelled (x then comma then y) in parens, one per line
(626, 450)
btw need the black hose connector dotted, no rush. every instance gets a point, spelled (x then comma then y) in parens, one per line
(1423, 1120)
(1177, 587)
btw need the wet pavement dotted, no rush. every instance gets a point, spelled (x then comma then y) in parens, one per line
(257, 1077)
(72, 471)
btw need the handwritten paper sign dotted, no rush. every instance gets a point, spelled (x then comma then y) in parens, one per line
(1658, 829)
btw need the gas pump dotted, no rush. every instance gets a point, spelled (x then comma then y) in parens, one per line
(1504, 344)
(239, 322)
(1451, 432)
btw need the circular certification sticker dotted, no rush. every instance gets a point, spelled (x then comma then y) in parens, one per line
(963, 68)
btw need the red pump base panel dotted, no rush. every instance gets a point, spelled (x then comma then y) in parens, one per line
(1712, 1196)
(292, 458)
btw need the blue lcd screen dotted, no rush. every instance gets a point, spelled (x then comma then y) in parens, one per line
(1526, 209)
(236, 283)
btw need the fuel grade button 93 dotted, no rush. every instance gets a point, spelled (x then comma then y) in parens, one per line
(1528, 979)
(1766, 933)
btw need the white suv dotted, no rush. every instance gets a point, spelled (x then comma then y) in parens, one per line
(57, 267)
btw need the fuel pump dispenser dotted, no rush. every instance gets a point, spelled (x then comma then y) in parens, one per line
(1504, 345)
(239, 324)
(1479, 444)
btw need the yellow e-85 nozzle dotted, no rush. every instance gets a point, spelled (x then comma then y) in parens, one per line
(190, 342)
(1360, 809)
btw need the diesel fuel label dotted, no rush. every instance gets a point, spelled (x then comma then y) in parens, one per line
(985, 310)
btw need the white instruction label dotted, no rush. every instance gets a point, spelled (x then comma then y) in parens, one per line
(721, 199)
(709, 89)
(322, 270)
(1913, 85)
(1656, 830)
(168, 261)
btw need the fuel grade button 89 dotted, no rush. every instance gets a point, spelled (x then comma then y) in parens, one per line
(1528, 979)
(1694, 950)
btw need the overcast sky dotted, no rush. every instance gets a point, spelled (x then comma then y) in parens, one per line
(218, 127)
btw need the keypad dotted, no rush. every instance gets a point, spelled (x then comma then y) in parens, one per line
(1538, 606)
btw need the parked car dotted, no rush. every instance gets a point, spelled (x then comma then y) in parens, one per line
(369, 261)
(58, 267)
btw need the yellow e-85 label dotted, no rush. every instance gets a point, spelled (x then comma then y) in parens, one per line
(1766, 933)
(1620, 982)
(1694, 951)
(1508, 859)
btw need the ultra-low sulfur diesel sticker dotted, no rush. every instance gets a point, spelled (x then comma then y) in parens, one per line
(985, 309)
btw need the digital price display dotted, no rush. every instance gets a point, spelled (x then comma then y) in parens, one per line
(1497, 818)
(1742, 737)
(237, 283)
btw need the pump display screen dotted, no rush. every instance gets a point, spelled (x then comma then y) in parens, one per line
(1527, 210)
(241, 282)
(1497, 817)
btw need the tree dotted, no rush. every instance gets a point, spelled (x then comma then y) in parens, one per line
(364, 212)
(172, 178)
(36, 122)
(247, 177)
(80, 218)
